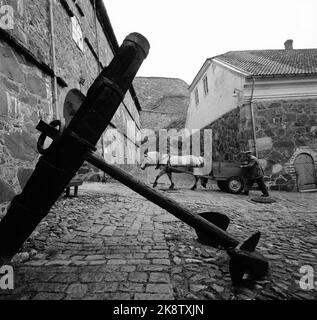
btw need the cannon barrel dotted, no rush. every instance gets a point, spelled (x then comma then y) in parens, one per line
(65, 156)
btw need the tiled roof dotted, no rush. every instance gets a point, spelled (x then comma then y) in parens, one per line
(272, 62)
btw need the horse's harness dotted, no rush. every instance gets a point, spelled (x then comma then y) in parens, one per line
(168, 164)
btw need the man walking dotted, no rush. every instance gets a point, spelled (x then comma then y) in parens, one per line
(253, 172)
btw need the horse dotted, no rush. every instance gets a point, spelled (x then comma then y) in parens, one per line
(173, 164)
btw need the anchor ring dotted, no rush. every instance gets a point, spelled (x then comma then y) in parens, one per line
(40, 144)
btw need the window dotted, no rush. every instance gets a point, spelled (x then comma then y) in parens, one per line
(197, 96)
(77, 33)
(206, 89)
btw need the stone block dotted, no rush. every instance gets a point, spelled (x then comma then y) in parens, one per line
(288, 144)
(159, 288)
(6, 192)
(21, 146)
(264, 144)
(3, 102)
(138, 277)
(11, 86)
(275, 105)
(131, 287)
(115, 276)
(159, 277)
(77, 291)
(276, 156)
(26, 98)
(36, 85)
(269, 132)
(91, 277)
(165, 262)
(9, 65)
(290, 117)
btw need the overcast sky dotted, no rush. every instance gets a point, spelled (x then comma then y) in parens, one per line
(184, 33)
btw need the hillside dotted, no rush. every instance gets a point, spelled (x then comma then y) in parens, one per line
(164, 102)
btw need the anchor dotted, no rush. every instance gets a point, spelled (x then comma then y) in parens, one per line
(75, 144)
(210, 226)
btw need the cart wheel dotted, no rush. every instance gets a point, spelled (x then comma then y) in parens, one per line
(234, 185)
(222, 185)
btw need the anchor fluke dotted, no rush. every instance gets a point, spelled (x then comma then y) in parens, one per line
(216, 218)
(246, 261)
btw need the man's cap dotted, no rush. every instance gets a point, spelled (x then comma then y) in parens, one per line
(247, 152)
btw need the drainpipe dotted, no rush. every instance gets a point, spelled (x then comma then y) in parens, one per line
(253, 118)
(99, 70)
(55, 95)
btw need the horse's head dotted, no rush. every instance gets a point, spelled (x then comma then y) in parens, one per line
(149, 159)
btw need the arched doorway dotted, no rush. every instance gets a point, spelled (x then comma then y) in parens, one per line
(305, 172)
(72, 103)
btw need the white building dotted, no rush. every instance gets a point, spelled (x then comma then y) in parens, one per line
(264, 100)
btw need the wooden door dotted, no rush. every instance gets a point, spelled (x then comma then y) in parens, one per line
(306, 172)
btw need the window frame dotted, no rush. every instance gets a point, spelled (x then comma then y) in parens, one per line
(206, 85)
(196, 93)
(77, 33)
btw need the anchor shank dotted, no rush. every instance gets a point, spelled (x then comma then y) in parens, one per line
(162, 201)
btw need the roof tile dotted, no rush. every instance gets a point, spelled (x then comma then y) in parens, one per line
(272, 62)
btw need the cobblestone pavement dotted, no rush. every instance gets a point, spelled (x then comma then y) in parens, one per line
(110, 243)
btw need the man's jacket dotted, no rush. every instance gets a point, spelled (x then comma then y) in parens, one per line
(253, 169)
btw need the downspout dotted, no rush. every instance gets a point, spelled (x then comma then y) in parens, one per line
(55, 95)
(99, 70)
(253, 118)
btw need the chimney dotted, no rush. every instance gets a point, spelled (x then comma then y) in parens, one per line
(288, 44)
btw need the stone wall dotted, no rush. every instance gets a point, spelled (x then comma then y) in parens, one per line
(164, 101)
(25, 97)
(26, 86)
(283, 128)
(231, 134)
(32, 26)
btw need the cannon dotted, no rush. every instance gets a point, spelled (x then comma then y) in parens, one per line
(75, 144)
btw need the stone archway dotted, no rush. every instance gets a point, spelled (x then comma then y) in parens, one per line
(305, 172)
(290, 166)
(72, 103)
